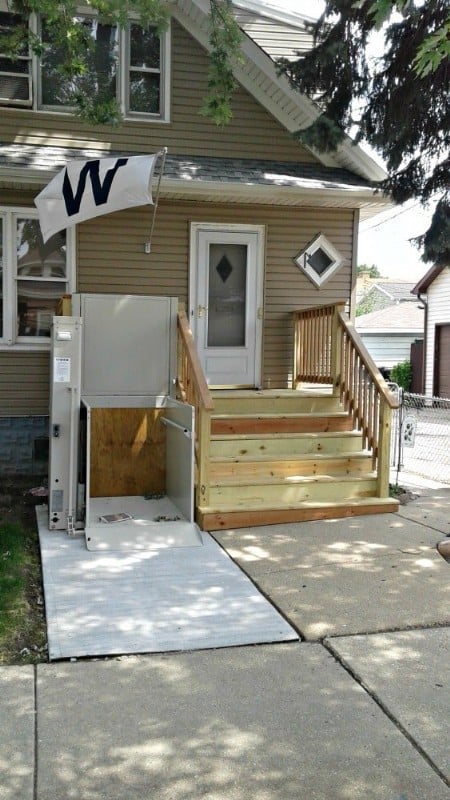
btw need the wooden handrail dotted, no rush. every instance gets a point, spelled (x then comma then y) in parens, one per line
(193, 389)
(368, 361)
(190, 375)
(329, 350)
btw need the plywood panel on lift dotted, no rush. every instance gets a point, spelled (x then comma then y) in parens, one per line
(127, 452)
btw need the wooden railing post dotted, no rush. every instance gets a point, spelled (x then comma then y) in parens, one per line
(297, 340)
(204, 436)
(193, 389)
(336, 349)
(384, 442)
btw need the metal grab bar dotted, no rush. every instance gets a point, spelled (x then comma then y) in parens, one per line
(185, 431)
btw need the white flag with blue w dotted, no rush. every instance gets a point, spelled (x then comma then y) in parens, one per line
(87, 189)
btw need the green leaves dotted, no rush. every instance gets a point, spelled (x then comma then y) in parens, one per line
(225, 39)
(433, 50)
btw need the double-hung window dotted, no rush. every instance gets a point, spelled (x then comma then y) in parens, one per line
(33, 277)
(15, 73)
(129, 65)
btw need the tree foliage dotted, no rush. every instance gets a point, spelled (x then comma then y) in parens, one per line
(372, 271)
(397, 102)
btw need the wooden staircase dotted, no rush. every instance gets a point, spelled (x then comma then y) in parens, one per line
(285, 456)
(317, 451)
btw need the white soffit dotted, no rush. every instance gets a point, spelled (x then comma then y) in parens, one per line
(274, 12)
(258, 75)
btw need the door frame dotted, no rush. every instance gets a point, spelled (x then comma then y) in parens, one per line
(196, 228)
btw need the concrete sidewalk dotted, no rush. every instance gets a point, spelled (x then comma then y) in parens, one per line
(358, 710)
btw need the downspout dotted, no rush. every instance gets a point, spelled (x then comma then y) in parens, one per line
(352, 309)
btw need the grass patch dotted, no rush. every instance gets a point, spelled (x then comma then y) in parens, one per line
(22, 623)
(13, 557)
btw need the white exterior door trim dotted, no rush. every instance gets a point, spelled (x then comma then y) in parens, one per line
(255, 293)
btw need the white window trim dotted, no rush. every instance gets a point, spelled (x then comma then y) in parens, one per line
(165, 79)
(21, 103)
(320, 242)
(122, 77)
(10, 340)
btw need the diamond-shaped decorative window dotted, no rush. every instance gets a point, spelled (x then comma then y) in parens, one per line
(319, 260)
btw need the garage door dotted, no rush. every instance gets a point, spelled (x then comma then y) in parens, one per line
(442, 361)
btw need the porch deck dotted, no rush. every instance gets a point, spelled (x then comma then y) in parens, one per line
(179, 598)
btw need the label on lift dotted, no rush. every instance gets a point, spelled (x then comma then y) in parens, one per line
(61, 370)
(57, 498)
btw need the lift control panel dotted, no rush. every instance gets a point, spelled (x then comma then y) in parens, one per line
(64, 417)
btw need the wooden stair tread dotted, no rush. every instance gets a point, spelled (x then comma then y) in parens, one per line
(244, 459)
(278, 415)
(236, 394)
(256, 480)
(356, 502)
(300, 435)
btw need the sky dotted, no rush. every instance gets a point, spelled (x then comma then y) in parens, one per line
(384, 239)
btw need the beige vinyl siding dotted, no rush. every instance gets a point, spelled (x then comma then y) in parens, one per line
(252, 133)
(24, 385)
(13, 197)
(277, 39)
(111, 259)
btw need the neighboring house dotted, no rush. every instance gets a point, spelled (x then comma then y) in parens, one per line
(251, 229)
(434, 290)
(377, 293)
(389, 333)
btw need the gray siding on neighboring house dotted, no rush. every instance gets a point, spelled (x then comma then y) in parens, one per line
(252, 133)
(389, 349)
(389, 332)
(438, 298)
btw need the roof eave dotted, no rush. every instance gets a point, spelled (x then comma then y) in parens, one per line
(427, 279)
(311, 193)
(390, 331)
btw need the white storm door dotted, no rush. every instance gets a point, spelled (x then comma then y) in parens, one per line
(226, 302)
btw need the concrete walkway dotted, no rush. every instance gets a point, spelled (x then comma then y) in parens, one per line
(358, 709)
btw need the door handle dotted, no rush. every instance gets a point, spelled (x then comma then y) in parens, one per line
(200, 310)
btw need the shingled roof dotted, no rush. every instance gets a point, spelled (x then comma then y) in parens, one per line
(193, 168)
(236, 180)
(401, 318)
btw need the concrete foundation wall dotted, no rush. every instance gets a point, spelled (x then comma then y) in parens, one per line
(23, 445)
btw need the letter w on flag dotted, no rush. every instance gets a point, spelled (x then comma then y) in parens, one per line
(86, 189)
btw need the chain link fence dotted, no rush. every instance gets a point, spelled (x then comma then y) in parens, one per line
(420, 443)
